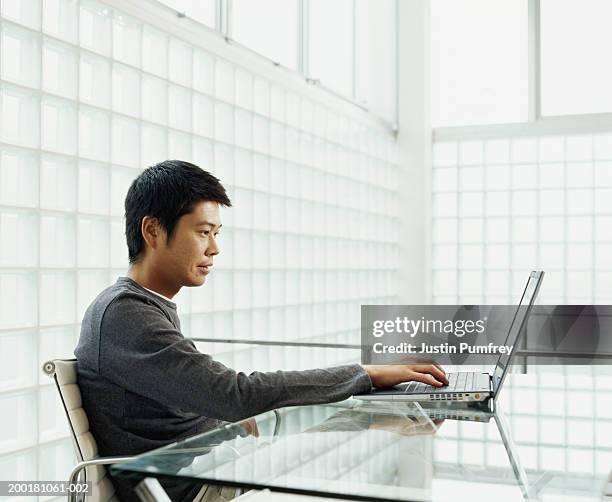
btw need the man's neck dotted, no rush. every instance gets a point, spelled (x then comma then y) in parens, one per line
(157, 294)
(153, 283)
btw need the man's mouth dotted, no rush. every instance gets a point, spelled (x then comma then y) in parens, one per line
(205, 269)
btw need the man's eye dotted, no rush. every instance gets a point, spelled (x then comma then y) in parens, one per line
(205, 232)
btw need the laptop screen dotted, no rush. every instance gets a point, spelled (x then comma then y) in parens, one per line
(516, 327)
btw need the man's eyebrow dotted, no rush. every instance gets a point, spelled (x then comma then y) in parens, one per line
(202, 223)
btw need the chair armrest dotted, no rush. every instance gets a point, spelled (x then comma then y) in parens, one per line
(74, 475)
(96, 461)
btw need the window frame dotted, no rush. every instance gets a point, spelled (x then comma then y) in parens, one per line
(536, 123)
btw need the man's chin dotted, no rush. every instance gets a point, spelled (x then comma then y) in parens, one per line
(198, 281)
(193, 282)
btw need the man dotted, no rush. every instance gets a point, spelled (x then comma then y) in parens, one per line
(143, 384)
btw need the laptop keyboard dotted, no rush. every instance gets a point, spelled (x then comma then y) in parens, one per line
(457, 382)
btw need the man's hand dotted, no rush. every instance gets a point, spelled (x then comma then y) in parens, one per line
(389, 375)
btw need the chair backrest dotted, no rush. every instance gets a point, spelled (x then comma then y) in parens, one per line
(64, 374)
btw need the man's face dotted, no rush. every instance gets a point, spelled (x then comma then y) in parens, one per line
(188, 257)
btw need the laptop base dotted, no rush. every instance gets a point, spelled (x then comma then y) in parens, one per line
(478, 391)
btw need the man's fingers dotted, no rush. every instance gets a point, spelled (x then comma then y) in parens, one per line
(440, 368)
(388, 376)
(439, 374)
(425, 378)
(434, 370)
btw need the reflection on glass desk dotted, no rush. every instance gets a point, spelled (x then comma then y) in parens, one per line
(389, 451)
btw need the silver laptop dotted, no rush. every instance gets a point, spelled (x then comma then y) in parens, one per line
(468, 386)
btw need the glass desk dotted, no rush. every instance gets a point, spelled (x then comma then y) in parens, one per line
(379, 451)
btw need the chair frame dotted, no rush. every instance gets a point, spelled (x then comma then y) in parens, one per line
(75, 474)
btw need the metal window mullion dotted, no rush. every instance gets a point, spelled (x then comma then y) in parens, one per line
(221, 15)
(396, 62)
(227, 28)
(534, 68)
(306, 38)
(300, 25)
(218, 14)
(354, 50)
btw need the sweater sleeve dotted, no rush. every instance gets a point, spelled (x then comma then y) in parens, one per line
(141, 350)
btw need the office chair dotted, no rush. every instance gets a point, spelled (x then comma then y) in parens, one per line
(64, 374)
(90, 466)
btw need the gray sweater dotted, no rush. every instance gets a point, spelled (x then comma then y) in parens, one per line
(144, 385)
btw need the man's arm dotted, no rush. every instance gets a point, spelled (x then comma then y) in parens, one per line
(141, 350)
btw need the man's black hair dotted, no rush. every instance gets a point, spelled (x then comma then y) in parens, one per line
(167, 191)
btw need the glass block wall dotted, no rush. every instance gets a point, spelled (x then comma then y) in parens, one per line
(559, 419)
(503, 207)
(500, 208)
(88, 97)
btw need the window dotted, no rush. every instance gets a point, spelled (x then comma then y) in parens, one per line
(376, 56)
(269, 27)
(575, 43)
(348, 46)
(330, 44)
(478, 62)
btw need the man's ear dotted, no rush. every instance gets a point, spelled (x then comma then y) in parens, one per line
(151, 231)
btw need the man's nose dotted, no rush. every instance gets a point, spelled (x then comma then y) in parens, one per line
(213, 247)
